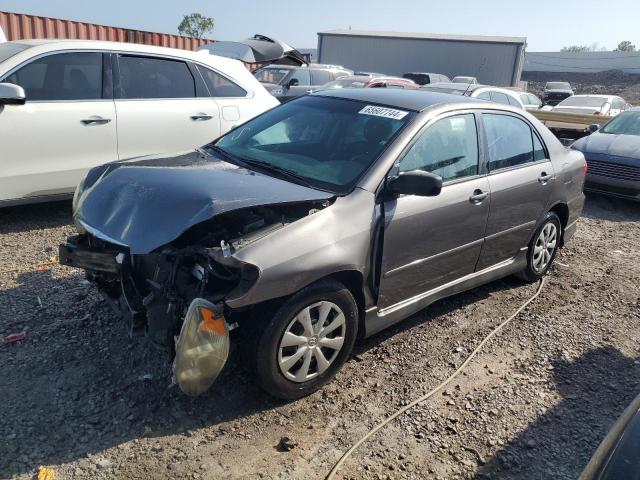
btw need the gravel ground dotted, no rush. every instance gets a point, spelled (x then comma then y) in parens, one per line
(612, 82)
(79, 397)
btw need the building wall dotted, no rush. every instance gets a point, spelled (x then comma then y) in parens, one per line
(19, 26)
(492, 63)
(584, 62)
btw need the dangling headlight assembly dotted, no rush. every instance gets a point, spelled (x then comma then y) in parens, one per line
(202, 347)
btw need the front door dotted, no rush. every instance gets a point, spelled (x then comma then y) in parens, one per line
(521, 177)
(430, 241)
(158, 108)
(66, 126)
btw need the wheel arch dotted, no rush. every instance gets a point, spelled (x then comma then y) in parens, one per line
(562, 210)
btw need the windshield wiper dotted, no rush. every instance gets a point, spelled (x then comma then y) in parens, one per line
(284, 172)
(269, 167)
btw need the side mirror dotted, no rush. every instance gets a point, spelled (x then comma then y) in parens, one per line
(11, 94)
(416, 182)
(594, 127)
(294, 82)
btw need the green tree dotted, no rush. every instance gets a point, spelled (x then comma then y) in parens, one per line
(575, 48)
(626, 46)
(195, 25)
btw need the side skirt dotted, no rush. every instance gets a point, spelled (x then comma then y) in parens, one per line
(377, 320)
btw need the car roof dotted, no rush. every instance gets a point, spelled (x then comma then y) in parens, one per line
(592, 95)
(415, 100)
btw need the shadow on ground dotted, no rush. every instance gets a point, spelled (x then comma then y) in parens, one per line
(25, 218)
(596, 388)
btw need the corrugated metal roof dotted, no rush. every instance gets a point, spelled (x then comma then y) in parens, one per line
(426, 36)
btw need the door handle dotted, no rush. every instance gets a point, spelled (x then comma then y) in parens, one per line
(478, 196)
(544, 178)
(95, 120)
(201, 117)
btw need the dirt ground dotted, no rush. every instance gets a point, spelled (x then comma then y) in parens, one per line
(79, 397)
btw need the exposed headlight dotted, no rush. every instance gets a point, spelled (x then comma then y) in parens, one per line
(202, 347)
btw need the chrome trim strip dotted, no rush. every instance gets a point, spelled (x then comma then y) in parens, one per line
(98, 234)
(458, 249)
(509, 230)
(417, 298)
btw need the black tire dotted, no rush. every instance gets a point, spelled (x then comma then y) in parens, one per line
(265, 347)
(531, 273)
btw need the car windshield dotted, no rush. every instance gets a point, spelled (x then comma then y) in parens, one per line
(343, 83)
(558, 86)
(325, 143)
(8, 50)
(271, 74)
(627, 123)
(595, 102)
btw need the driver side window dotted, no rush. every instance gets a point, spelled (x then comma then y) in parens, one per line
(448, 148)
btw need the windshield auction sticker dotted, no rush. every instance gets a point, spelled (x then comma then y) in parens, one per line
(383, 112)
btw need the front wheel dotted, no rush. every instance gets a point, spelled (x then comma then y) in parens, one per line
(542, 248)
(307, 341)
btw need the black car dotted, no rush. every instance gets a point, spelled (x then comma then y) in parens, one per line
(613, 156)
(555, 92)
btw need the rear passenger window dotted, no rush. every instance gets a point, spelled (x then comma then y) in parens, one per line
(220, 86)
(63, 76)
(448, 148)
(145, 77)
(538, 150)
(500, 97)
(509, 141)
(484, 96)
(513, 102)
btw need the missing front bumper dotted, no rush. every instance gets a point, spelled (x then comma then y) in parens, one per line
(73, 255)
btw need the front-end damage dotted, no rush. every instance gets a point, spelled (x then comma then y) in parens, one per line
(175, 294)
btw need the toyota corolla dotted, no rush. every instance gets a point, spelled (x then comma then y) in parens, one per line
(319, 222)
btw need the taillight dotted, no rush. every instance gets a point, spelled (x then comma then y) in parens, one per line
(585, 168)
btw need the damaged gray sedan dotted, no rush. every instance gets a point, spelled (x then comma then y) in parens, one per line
(321, 221)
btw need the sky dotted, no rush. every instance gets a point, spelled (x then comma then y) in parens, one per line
(297, 22)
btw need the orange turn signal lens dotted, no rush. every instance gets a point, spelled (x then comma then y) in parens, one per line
(211, 322)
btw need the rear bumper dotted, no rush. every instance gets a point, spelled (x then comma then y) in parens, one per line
(628, 189)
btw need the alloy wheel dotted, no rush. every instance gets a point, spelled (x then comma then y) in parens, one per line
(311, 341)
(545, 246)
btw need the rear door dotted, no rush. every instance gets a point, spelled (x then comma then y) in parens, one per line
(430, 241)
(66, 126)
(521, 178)
(233, 101)
(160, 108)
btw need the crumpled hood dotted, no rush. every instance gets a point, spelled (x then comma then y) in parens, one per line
(150, 201)
(610, 144)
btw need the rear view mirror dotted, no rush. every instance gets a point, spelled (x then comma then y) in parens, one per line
(416, 182)
(594, 127)
(11, 94)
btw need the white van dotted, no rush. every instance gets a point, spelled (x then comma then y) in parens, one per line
(69, 105)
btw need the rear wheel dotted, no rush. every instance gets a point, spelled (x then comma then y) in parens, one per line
(542, 248)
(307, 341)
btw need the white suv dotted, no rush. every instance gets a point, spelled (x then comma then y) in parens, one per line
(69, 105)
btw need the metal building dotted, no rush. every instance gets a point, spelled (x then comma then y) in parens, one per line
(493, 60)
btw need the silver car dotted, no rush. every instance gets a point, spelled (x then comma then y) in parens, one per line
(321, 221)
